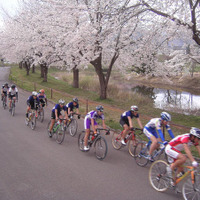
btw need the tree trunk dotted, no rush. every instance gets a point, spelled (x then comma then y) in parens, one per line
(42, 70)
(20, 65)
(45, 72)
(75, 77)
(33, 69)
(27, 67)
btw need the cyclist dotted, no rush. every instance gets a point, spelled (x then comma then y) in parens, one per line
(56, 114)
(4, 91)
(33, 103)
(71, 105)
(90, 120)
(42, 97)
(156, 124)
(12, 94)
(126, 121)
(180, 143)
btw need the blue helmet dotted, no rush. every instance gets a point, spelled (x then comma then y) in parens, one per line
(99, 108)
(165, 116)
(195, 131)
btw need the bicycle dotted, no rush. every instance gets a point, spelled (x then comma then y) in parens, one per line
(31, 119)
(59, 129)
(132, 139)
(160, 180)
(41, 114)
(12, 108)
(141, 153)
(72, 124)
(4, 101)
(100, 144)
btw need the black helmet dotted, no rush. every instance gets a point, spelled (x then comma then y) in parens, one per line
(6, 84)
(99, 108)
(75, 100)
(13, 86)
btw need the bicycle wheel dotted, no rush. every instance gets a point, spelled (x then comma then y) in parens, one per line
(41, 115)
(60, 134)
(4, 103)
(158, 176)
(26, 121)
(81, 140)
(73, 127)
(140, 154)
(116, 140)
(100, 147)
(132, 144)
(33, 121)
(12, 109)
(191, 191)
(162, 156)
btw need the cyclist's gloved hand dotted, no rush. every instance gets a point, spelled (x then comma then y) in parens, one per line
(108, 132)
(132, 129)
(195, 164)
(95, 133)
(79, 116)
(165, 143)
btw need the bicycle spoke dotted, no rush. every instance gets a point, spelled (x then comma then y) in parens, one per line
(133, 143)
(81, 140)
(73, 127)
(100, 148)
(116, 140)
(60, 134)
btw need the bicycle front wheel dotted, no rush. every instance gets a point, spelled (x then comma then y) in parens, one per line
(12, 109)
(190, 190)
(41, 115)
(60, 134)
(133, 143)
(140, 154)
(73, 127)
(33, 121)
(4, 103)
(158, 176)
(81, 140)
(101, 148)
(116, 140)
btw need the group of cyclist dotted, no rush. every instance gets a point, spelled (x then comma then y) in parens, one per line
(152, 130)
(10, 92)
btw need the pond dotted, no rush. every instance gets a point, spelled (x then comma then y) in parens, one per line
(172, 100)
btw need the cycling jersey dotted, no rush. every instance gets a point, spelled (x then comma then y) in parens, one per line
(40, 96)
(5, 89)
(155, 124)
(59, 109)
(71, 106)
(42, 99)
(127, 114)
(92, 115)
(13, 92)
(33, 103)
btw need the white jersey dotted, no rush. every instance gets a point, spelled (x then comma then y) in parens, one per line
(13, 92)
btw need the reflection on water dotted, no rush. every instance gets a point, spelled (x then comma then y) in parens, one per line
(172, 100)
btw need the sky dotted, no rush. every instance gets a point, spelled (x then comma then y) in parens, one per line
(8, 5)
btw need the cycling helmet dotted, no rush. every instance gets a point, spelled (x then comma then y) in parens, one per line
(134, 108)
(13, 86)
(75, 100)
(34, 93)
(41, 91)
(6, 84)
(195, 131)
(165, 116)
(99, 108)
(61, 101)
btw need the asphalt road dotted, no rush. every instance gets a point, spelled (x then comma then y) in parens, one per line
(35, 167)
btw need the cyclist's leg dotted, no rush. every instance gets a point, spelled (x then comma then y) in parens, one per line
(53, 119)
(10, 100)
(126, 128)
(87, 133)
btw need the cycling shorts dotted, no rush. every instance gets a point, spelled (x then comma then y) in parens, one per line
(149, 132)
(87, 123)
(11, 96)
(43, 103)
(122, 122)
(171, 151)
(5, 93)
(53, 115)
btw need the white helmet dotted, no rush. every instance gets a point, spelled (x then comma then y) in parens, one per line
(61, 101)
(34, 93)
(134, 108)
(165, 116)
(195, 131)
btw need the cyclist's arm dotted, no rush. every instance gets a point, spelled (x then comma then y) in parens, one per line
(68, 109)
(170, 131)
(17, 95)
(56, 114)
(66, 115)
(92, 123)
(77, 111)
(139, 123)
(188, 152)
(161, 134)
(103, 123)
(130, 122)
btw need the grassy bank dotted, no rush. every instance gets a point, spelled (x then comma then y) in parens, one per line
(118, 99)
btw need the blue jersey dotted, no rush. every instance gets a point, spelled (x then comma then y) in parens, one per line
(127, 114)
(33, 102)
(59, 109)
(72, 106)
